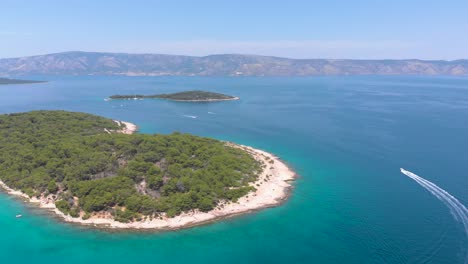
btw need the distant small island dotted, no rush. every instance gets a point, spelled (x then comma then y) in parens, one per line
(187, 96)
(16, 81)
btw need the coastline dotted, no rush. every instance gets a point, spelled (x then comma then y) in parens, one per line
(129, 129)
(272, 188)
(8, 81)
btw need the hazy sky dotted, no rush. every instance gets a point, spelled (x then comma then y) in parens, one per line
(367, 29)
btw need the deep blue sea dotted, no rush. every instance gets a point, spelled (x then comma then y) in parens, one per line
(346, 137)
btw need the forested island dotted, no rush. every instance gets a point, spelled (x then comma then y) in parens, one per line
(188, 96)
(91, 170)
(16, 81)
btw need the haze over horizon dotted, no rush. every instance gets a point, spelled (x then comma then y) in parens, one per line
(299, 29)
(226, 54)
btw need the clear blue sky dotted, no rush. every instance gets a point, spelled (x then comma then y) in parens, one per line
(431, 29)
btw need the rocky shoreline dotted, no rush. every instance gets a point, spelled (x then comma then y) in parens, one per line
(272, 188)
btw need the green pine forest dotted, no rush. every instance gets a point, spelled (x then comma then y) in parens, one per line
(180, 96)
(87, 170)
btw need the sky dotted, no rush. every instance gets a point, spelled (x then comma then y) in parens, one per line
(358, 29)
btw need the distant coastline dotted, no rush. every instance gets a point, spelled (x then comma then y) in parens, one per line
(5, 81)
(236, 65)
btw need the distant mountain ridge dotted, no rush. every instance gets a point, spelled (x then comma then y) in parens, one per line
(99, 63)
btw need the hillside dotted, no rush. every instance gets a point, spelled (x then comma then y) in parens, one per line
(85, 63)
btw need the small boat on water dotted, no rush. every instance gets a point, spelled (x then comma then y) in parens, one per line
(18, 216)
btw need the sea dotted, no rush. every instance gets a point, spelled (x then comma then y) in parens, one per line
(346, 137)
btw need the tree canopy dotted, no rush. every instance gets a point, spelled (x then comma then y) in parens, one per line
(180, 96)
(73, 157)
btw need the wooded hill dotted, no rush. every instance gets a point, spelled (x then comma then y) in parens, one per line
(71, 157)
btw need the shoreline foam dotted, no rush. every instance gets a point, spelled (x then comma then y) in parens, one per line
(272, 188)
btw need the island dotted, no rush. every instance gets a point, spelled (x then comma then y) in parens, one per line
(97, 171)
(16, 81)
(187, 96)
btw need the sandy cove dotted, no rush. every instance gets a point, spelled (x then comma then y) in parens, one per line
(272, 188)
(129, 127)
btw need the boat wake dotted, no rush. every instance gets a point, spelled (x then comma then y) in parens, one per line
(190, 116)
(458, 210)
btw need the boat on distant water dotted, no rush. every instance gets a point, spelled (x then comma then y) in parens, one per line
(19, 216)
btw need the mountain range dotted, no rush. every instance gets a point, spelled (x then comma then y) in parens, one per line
(100, 63)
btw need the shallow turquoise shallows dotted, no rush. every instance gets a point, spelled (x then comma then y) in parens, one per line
(346, 137)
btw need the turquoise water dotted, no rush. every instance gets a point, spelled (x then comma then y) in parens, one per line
(346, 137)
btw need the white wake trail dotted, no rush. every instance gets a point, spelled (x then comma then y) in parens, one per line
(458, 210)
